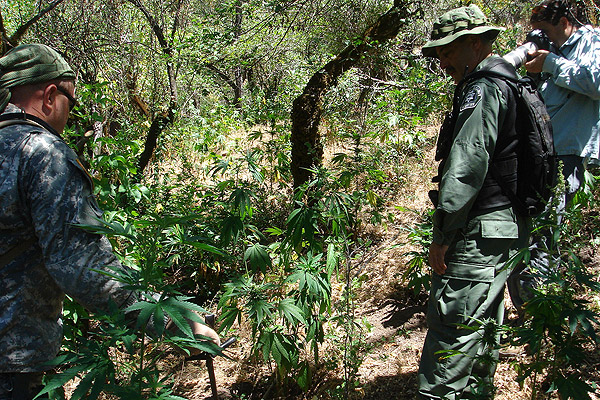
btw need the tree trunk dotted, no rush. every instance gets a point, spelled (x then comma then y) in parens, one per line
(236, 83)
(161, 120)
(237, 72)
(158, 125)
(307, 150)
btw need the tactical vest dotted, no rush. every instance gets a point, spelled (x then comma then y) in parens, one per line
(504, 160)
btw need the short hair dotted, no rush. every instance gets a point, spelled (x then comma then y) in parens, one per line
(553, 10)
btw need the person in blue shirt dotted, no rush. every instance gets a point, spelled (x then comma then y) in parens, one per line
(571, 90)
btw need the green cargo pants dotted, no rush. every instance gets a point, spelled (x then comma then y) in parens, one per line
(472, 288)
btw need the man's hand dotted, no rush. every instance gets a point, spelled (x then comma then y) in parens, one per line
(535, 65)
(204, 330)
(437, 252)
(198, 328)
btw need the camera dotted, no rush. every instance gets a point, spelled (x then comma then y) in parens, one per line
(535, 40)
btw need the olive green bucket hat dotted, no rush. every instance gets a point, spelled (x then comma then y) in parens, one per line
(456, 23)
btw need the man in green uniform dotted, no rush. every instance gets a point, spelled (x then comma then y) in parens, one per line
(475, 227)
(44, 194)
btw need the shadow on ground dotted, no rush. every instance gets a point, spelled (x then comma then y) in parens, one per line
(397, 387)
(398, 314)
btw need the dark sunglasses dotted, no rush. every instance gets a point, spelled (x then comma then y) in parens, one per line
(72, 100)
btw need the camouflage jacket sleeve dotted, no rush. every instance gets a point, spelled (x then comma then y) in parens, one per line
(481, 109)
(58, 194)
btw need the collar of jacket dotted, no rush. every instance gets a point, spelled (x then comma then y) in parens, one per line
(576, 36)
(492, 63)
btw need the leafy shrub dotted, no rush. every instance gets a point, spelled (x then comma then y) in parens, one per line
(560, 320)
(417, 276)
(112, 356)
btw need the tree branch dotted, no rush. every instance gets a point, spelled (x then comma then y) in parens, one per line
(222, 75)
(154, 25)
(165, 46)
(16, 37)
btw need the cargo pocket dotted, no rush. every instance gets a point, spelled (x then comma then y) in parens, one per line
(486, 244)
(459, 299)
(497, 229)
(497, 237)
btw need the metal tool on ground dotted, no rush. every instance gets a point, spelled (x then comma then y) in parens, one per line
(210, 320)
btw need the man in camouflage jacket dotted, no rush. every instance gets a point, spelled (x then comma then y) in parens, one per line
(44, 193)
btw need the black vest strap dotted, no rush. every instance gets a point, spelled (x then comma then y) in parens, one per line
(25, 118)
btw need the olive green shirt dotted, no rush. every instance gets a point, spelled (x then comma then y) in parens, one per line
(481, 112)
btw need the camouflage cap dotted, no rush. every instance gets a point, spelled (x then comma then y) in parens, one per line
(456, 23)
(29, 64)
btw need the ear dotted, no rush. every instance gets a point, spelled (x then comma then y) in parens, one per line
(49, 98)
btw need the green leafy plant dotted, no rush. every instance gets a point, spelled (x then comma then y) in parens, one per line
(286, 312)
(285, 293)
(560, 321)
(558, 326)
(417, 276)
(118, 353)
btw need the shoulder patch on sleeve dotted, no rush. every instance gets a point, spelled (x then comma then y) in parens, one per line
(472, 98)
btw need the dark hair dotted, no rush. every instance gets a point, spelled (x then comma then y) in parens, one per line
(553, 10)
